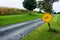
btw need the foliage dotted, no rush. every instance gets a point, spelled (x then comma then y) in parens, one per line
(58, 13)
(29, 4)
(46, 5)
(39, 5)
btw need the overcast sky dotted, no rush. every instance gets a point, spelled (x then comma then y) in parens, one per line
(18, 4)
(56, 6)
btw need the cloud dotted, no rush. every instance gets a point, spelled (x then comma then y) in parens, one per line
(56, 6)
(11, 3)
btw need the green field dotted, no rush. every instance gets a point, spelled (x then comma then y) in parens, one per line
(12, 19)
(42, 33)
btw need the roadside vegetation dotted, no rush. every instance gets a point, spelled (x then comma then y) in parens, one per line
(11, 17)
(12, 11)
(42, 33)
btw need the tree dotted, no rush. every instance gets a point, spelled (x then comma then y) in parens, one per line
(46, 5)
(39, 5)
(58, 13)
(29, 4)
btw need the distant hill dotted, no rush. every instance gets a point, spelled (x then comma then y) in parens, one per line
(9, 11)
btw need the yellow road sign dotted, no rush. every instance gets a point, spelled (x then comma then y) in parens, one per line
(47, 17)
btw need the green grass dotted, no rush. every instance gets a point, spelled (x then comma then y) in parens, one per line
(42, 33)
(12, 19)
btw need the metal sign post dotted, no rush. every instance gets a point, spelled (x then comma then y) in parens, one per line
(49, 26)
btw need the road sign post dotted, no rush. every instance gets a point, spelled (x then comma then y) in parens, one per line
(47, 18)
(49, 26)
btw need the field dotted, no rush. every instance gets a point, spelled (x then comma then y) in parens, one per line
(12, 19)
(42, 33)
(13, 15)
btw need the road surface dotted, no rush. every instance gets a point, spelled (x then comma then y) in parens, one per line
(17, 31)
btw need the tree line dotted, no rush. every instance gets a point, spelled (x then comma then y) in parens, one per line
(45, 5)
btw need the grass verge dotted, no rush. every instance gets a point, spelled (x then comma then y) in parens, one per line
(12, 19)
(42, 33)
